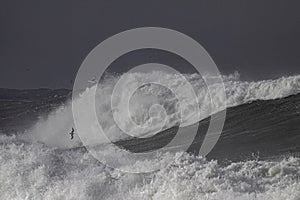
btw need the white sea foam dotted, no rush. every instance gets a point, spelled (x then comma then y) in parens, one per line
(34, 171)
(58, 123)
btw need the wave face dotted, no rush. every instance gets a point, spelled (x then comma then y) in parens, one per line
(36, 165)
(238, 92)
(263, 128)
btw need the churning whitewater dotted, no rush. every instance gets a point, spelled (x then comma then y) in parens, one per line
(42, 162)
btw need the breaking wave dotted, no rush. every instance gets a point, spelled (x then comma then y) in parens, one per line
(238, 92)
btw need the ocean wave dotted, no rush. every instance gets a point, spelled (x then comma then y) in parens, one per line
(58, 123)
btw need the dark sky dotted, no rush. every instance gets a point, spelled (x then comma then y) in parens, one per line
(42, 43)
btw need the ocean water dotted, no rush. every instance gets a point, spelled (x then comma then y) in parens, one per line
(257, 156)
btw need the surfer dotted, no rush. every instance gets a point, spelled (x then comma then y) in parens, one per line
(72, 133)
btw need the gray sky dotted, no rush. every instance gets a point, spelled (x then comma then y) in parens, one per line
(42, 43)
